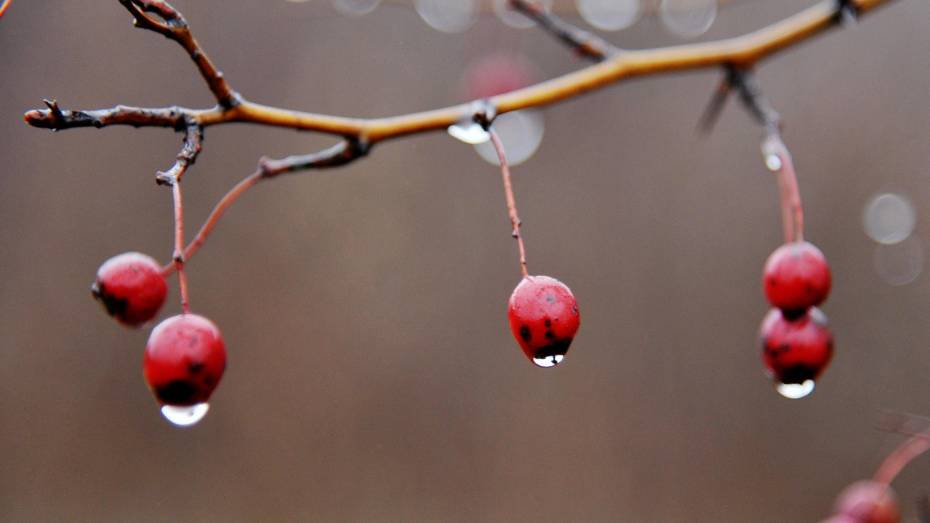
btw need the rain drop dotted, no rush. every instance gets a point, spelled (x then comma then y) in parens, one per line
(549, 361)
(185, 416)
(469, 132)
(795, 391)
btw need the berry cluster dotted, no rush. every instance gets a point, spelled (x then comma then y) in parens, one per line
(796, 342)
(185, 356)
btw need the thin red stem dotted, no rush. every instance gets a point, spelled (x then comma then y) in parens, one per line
(214, 217)
(792, 211)
(179, 245)
(895, 462)
(511, 202)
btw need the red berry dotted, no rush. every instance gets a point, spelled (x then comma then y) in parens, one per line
(131, 288)
(795, 351)
(184, 360)
(868, 502)
(796, 276)
(497, 74)
(543, 318)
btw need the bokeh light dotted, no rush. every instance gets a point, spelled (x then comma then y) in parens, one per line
(609, 15)
(448, 16)
(355, 7)
(688, 18)
(889, 218)
(900, 263)
(521, 132)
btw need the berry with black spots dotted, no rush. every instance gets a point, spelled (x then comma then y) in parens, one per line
(184, 360)
(796, 277)
(131, 287)
(795, 350)
(544, 318)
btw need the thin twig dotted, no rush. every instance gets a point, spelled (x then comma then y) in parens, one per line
(511, 201)
(778, 159)
(339, 154)
(895, 462)
(582, 42)
(179, 245)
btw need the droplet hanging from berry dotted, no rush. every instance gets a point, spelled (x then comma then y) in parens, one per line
(796, 350)
(185, 358)
(544, 318)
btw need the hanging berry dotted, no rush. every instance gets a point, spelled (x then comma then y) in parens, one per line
(544, 318)
(542, 310)
(184, 361)
(796, 277)
(795, 351)
(131, 287)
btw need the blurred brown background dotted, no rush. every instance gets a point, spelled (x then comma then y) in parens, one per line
(372, 375)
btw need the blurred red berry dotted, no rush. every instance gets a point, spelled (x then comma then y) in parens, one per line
(796, 350)
(131, 288)
(544, 318)
(497, 74)
(868, 502)
(796, 276)
(184, 360)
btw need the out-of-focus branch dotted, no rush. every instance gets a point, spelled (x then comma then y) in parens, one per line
(583, 42)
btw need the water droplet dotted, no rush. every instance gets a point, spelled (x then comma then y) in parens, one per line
(185, 416)
(688, 18)
(355, 7)
(795, 391)
(549, 361)
(521, 133)
(773, 162)
(469, 132)
(448, 16)
(609, 15)
(512, 17)
(901, 263)
(889, 218)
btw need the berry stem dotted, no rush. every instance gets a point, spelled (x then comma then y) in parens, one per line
(228, 199)
(179, 245)
(778, 159)
(511, 202)
(895, 462)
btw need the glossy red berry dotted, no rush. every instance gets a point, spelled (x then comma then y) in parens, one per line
(796, 276)
(184, 360)
(796, 351)
(131, 288)
(544, 318)
(868, 502)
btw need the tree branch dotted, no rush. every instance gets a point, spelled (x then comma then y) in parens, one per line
(741, 52)
(172, 25)
(583, 42)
